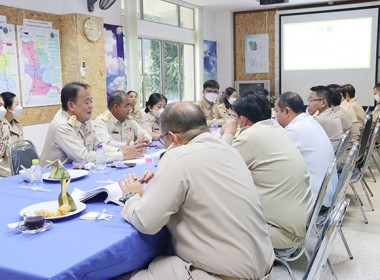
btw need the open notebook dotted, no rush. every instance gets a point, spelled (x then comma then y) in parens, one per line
(113, 192)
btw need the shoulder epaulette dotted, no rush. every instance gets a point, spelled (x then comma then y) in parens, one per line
(130, 117)
(107, 116)
(137, 109)
(72, 120)
(152, 118)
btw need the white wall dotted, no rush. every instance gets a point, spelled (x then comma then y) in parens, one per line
(218, 26)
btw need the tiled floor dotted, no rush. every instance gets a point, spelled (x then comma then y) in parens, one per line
(363, 239)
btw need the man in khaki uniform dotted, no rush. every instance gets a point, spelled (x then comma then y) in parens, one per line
(71, 134)
(212, 210)
(350, 97)
(113, 126)
(318, 105)
(208, 105)
(277, 168)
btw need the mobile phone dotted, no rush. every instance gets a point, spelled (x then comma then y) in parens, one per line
(125, 165)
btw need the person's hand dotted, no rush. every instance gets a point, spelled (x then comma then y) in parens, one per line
(132, 152)
(130, 184)
(229, 127)
(142, 139)
(146, 177)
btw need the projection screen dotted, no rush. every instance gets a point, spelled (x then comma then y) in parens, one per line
(329, 47)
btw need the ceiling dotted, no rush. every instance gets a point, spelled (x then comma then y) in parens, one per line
(246, 5)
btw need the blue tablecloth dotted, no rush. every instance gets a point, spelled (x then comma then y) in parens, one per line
(73, 248)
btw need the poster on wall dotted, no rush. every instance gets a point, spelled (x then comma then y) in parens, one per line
(209, 60)
(256, 53)
(40, 66)
(114, 53)
(8, 60)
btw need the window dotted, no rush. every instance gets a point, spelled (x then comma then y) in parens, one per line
(167, 68)
(165, 12)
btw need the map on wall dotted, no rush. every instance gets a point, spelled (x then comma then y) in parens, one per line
(256, 53)
(8, 60)
(40, 66)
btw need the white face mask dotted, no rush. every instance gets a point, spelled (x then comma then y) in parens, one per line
(3, 111)
(232, 100)
(377, 97)
(17, 111)
(211, 97)
(157, 112)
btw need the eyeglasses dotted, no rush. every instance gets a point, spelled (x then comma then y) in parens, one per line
(314, 99)
(161, 138)
(212, 91)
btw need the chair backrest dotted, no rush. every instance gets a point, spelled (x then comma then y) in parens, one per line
(325, 240)
(345, 176)
(342, 145)
(22, 152)
(318, 202)
(366, 157)
(365, 136)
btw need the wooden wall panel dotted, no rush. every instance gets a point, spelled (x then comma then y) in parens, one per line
(260, 22)
(74, 48)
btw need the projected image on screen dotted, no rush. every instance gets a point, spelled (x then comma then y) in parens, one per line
(332, 44)
(326, 46)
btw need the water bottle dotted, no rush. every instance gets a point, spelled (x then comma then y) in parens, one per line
(214, 125)
(35, 174)
(149, 163)
(100, 159)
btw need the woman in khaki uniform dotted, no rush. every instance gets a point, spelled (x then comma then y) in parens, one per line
(228, 100)
(10, 129)
(135, 113)
(151, 119)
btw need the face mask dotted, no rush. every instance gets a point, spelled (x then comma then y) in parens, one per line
(377, 97)
(157, 112)
(17, 111)
(211, 97)
(3, 111)
(232, 100)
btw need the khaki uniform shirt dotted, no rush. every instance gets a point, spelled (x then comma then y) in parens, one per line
(115, 133)
(211, 112)
(70, 139)
(332, 125)
(346, 123)
(356, 127)
(359, 111)
(9, 133)
(135, 114)
(212, 210)
(227, 113)
(375, 115)
(150, 123)
(280, 175)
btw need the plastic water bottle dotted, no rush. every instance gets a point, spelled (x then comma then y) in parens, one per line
(149, 163)
(35, 174)
(100, 159)
(214, 125)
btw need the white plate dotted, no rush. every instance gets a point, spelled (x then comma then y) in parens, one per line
(75, 174)
(53, 207)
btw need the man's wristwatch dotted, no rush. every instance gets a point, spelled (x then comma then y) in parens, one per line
(127, 196)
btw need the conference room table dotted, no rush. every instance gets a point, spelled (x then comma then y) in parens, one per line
(73, 248)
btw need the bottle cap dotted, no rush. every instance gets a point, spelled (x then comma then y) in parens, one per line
(100, 146)
(148, 159)
(35, 161)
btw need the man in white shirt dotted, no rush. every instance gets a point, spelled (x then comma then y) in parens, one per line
(115, 128)
(310, 139)
(212, 209)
